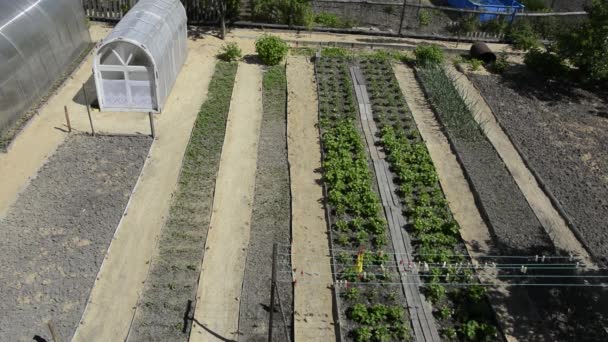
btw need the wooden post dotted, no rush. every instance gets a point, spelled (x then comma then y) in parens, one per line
(54, 335)
(67, 118)
(402, 17)
(153, 133)
(273, 283)
(86, 100)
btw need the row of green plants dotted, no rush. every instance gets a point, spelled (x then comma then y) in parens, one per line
(463, 313)
(371, 311)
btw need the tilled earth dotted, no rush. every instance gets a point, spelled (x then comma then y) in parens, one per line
(270, 223)
(563, 133)
(54, 237)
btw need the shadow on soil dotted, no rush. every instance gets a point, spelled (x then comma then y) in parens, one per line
(553, 312)
(534, 86)
(91, 94)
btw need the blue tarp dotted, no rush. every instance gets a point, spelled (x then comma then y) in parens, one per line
(507, 6)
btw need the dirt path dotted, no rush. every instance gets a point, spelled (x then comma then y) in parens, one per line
(218, 297)
(121, 278)
(517, 316)
(313, 315)
(549, 217)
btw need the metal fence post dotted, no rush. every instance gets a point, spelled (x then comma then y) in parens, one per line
(273, 283)
(402, 17)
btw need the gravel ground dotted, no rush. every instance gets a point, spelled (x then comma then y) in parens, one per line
(54, 237)
(271, 217)
(514, 225)
(563, 132)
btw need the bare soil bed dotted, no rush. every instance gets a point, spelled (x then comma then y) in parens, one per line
(562, 131)
(54, 238)
(270, 221)
(515, 228)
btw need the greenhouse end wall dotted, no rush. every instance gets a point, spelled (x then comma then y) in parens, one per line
(39, 40)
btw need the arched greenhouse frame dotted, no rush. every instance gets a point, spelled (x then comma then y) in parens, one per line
(136, 66)
(39, 41)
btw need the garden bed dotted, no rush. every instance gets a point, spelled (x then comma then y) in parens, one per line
(371, 306)
(170, 290)
(270, 221)
(55, 236)
(461, 312)
(562, 132)
(515, 228)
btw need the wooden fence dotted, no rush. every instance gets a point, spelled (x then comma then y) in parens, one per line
(198, 11)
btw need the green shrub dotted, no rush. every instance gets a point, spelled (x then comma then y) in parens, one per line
(500, 65)
(545, 62)
(230, 52)
(523, 37)
(424, 17)
(288, 12)
(271, 49)
(585, 46)
(332, 20)
(428, 54)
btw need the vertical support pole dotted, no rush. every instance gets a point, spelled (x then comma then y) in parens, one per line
(67, 119)
(402, 17)
(86, 100)
(152, 132)
(273, 283)
(54, 335)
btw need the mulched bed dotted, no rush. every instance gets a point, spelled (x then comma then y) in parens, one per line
(54, 237)
(163, 309)
(271, 217)
(562, 131)
(516, 229)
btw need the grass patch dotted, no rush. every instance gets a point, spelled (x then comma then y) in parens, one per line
(175, 272)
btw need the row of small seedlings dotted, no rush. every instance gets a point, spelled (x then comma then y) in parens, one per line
(372, 303)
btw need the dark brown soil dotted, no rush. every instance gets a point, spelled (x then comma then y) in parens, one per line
(515, 228)
(54, 237)
(563, 133)
(271, 218)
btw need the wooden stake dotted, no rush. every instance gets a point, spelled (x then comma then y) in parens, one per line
(273, 284)
(54, 335)
(86, 100)
(152, 125)
(67, 119)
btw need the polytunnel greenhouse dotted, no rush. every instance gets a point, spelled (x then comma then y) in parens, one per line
(39, 40)
(137, 64)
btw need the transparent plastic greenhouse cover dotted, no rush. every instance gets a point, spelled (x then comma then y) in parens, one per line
(39, 40)
(137, 64)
